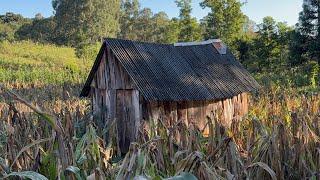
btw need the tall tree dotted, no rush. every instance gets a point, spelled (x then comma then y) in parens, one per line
(160, 25)
(172, 31)
(85, 21)
(270, 47)
(244, 41)
(308, 37)
(142, 24)
(189, 27)
(225, 21)
(129, 14)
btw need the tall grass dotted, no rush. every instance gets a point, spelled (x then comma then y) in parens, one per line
(27, 62)
(50, 133)
(279, 139)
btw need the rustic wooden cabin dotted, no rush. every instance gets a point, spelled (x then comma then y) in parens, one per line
(137, 81)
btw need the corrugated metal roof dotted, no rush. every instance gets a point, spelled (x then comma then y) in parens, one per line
(166, 72)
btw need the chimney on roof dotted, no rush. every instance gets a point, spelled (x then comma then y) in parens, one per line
(217, 44)
(220, 46)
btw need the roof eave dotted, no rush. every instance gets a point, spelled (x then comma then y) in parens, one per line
(86, 89)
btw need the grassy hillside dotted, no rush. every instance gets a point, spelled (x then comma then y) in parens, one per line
(27, 62)
(47, 75)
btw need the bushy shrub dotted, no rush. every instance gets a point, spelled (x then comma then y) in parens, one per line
(88, 52)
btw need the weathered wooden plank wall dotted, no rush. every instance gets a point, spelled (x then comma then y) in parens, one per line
(196, 112)
(115, 97)
(128, 117)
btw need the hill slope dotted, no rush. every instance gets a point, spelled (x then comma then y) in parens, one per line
(27, 62)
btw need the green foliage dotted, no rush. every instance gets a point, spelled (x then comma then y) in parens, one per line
(9, 24)
(300, 77)
(40, 30)
(142, 24)
(173, 31)
(129, 14)
(27, 62)
(306, 41)
(314, 75)
(161, 25)
(224, 21)
(144, 28)
(270, 47)
(189, 27)
(48, 167)
(85, 22)
(88, 51)
(87, 150)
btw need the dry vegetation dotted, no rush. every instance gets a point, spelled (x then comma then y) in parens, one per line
(279, 139)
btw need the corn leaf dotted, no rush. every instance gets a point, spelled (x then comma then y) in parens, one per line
(266, 168)
(27, 174)
(183, 176)
(75, 171)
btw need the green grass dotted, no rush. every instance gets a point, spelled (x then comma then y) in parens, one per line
(27, 62)
(303, 78)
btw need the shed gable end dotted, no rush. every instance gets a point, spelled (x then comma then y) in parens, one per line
(110, 74)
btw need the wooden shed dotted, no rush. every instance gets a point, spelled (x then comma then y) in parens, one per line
(135, 81)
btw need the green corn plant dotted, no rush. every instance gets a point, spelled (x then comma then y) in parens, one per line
(314, 75)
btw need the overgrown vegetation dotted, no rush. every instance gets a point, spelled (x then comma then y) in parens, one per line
(46, 60)
(277, 140)
(27, 62)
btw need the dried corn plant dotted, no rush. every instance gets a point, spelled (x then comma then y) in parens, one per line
(278, 139)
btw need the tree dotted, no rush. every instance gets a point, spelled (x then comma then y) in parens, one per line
(270, 47)
(307, 37)
(86, 21)
(38, 16)
(189, 27)
(142, 24)
(40, 30)
(244, 41)
(172, 31)
(160, 25)
(9, 24)
(10, 17)
(225, 21)
(143, 27)
(128, 18)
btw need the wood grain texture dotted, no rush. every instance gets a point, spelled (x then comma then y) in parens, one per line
(197, 112)
(114, 97)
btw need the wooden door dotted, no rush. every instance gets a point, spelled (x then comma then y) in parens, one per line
(128, 117)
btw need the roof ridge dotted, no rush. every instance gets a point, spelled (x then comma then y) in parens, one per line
(136, 41)
(195, 43)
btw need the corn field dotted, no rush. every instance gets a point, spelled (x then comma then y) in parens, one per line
(58, 139)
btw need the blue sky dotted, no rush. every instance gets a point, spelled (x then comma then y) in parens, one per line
(281, 10)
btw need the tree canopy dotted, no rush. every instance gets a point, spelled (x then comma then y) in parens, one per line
(83, 24)
(224, 21)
